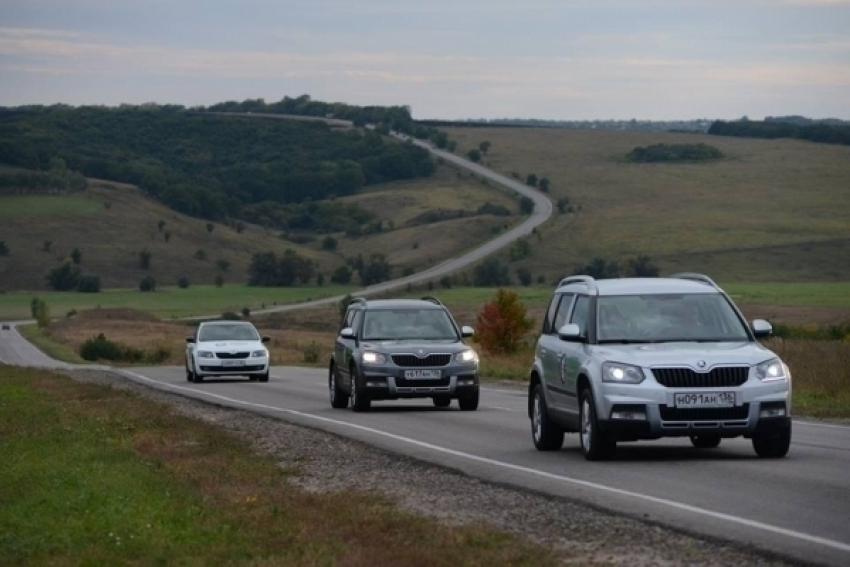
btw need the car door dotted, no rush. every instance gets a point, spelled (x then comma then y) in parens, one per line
(190, 349)
(572, 353)
(550, 347)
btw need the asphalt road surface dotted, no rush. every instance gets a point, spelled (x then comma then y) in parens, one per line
(798, 506)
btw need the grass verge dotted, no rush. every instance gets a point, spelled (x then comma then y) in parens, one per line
(96, 476)
(52, 347)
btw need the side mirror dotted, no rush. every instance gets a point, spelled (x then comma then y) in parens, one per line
(761, 328)
(570, 332)
(190, 339)
(266, 339)
(347, 333)
(466, 331)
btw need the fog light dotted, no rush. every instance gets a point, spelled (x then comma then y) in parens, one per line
(772, 412)
(375, 384)
(465, 382)
(633, 415)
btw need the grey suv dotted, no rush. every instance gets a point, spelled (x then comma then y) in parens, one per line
(389, 349)
(645, 358)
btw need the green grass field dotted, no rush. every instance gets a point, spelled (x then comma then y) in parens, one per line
(167, 302)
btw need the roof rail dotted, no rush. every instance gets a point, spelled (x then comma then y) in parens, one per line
(588, 280)
(695, 277)
(433, 300)
(357, 300)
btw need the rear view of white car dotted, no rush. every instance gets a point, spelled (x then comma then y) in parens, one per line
(224, 349)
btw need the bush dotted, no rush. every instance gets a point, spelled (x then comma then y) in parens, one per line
(101, 348)
(145, 259)
(674, 153)
(312, 352)
(89, 284)
(64, 277)
(148, 283)
(230, 316)
(219, 280)
(4, 249)
(502, 324)
(183, 282)
(246, 312)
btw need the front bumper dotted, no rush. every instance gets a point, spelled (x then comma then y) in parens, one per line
(241, 367)
(648, 411)
(389, 383)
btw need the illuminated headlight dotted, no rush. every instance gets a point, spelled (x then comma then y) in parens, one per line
(621, 373)
(374, 358)
(771, 371)
(259, 353)
(205, 354)
(467, 357)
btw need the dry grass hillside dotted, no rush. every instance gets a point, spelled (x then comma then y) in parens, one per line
(771, 210)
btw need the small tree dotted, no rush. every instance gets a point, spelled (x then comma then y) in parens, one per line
(222, 264)
(531, 180)
(4, 250)
(210, 227)
(183, 282)
(484, 147)
(46, 245)
(524, 276)
(89, 284)
(329, 243)
(160, 225)
(64, 277)
(76, 256)
(501, 325)
(474, 155)
(544, 184)
(148, 283)
(341, 275)
(526, 205)
(219, 280)
(201, 254)
(641, 267)
(42, 314)
(167, 235)
(320, 279)
(145, 259)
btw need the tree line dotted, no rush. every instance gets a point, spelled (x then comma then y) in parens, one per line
(822, 132)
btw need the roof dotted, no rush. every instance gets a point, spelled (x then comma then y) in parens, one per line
(640, 286)
(402, 304)
(226, 322)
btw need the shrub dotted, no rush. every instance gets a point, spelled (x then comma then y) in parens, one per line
(71, 313)
(674, 153)
(76, 256)
(329, 243)
(42, 314)
(230, 316)
(183, 282)
(101, 348)
(502, 324)
(219, 280)
(64, 277)
(201, 254)
(311, 352)
(89, 284)
(148, 283)
(145, 259)
(4, 249)
(246, 312)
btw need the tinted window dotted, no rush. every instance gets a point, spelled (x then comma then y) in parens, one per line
(233, 332)
(420, 324)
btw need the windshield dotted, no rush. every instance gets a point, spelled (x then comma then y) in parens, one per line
(400, 324)
(668, 318)
(228, 333)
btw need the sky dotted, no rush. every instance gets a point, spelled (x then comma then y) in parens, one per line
(446, 59)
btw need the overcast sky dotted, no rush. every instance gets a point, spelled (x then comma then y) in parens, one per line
(452, 59)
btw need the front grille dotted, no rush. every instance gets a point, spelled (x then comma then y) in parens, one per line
(413, 361)
(738, 413)
(231, 355)
(718, 377)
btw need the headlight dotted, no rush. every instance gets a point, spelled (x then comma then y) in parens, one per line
(771, 371)
(205, 354)
(467, 356)
(374, 358)
(621, 373)
(259, 353)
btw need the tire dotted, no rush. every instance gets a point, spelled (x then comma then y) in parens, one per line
(442, 401)
(469, 403)
(705, 441)
(196, 378)
(595, 445)
(190, 377)
(360, 401)
(339, 399)
(546, 435)
(773, 446)
(263, 377)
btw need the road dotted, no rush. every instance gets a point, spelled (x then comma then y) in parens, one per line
(798, 506)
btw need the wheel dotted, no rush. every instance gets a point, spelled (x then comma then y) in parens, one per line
(595, 445)
(196, 378)
(705, 441)
(469, 403)
(773, 446)
(339, 399)
(442, 401)
(263, 377)
(546, 435)
(360, 401)
(190, 377)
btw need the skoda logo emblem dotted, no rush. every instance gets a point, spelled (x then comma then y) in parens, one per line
(701, 363)
(421, 352)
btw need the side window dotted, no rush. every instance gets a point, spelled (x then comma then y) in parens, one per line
(580, 313)
(349, 318)
(550, 314)
(355, 322)
(563, 311)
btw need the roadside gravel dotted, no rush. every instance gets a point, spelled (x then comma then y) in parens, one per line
(581, 534)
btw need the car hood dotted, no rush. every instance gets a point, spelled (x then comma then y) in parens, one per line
(687, 354)
(413, 346)
(229, 345)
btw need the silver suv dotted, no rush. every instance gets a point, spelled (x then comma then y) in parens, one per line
(645, 358)
(389, 349)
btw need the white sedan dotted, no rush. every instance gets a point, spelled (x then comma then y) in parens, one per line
(226, 348)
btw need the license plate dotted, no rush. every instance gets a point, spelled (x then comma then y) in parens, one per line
(233, 363)
(705, 400)
(420, 374)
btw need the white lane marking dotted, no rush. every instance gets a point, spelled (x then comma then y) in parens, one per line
(519, 468)
(815, 424)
